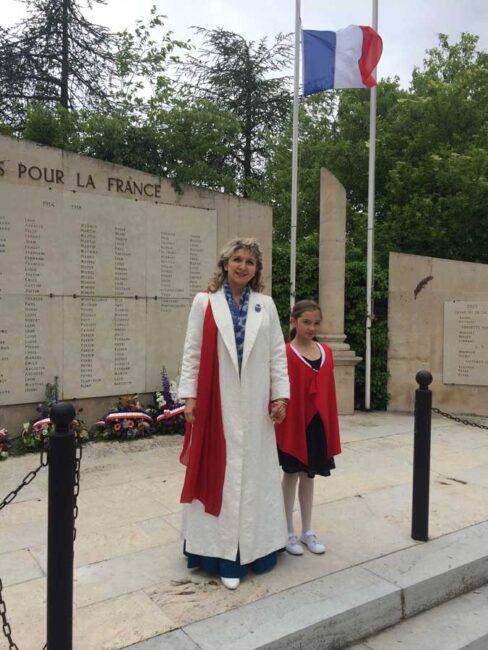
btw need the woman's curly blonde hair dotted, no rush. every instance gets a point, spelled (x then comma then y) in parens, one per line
(247, 243)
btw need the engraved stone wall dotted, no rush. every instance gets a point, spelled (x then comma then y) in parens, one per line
(77, 276)
(437, 320)
(98, 267)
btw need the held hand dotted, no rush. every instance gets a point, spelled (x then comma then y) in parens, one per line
(190, 409)
(278, 411)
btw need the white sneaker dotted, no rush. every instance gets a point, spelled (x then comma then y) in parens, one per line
(230, 583)
(293, 545)
(312, 543)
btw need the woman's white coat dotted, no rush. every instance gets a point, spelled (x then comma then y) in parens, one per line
(252, 519)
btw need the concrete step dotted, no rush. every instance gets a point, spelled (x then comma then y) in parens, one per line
(339, 609)
(459, 624)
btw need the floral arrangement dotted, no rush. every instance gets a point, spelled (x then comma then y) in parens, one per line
(35, 432)
(167, 410)
(128, 420)
(4, 444)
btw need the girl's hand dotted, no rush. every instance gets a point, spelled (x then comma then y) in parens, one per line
(190, 409)
(278, 411)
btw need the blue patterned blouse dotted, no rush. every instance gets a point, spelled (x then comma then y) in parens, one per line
(239, 317)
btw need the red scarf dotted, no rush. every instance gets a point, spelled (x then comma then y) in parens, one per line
(311, 392)
(204, 445)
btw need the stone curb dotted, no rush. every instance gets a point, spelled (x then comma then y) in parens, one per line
(341, 608)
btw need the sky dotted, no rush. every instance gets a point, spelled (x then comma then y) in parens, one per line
(408, 27)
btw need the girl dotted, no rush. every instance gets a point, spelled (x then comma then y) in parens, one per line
(308, 439)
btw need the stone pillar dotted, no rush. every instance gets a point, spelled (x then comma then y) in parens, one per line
(332, 274)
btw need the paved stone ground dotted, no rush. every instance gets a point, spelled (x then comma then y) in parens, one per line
(131, 582)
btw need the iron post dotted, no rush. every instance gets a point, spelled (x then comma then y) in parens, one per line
(421, 457)
(60, 529)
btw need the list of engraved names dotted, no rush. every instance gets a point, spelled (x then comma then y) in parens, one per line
(466, 343)
(77, 275)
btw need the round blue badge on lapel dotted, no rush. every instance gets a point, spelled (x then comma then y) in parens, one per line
(257, 308)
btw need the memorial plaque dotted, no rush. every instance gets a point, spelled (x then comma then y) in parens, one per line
(104, 247)
(95, 290)
(465, 343)
(105, 351)
(31, 346)
(30, 241)
(184, 241)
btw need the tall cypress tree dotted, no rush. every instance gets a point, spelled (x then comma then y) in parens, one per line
(56, 56)
(242, 77)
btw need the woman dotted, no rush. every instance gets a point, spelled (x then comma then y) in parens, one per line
(234, 366)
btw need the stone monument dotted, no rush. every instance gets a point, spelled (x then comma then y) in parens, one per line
(438, 321)
(98, 267)
(332, 274)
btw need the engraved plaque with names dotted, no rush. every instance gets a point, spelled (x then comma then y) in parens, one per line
(181, 241)
(95, 290)
(466, 343)
(30, 284)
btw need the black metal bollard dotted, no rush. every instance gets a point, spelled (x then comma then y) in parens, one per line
(60, 529)
(421, 457)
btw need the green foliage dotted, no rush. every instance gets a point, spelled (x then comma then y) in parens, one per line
(6, 129)
(307, 274)
(355, 327)
(141, 86)
(240, 77)
(53, 126)
(431, 181)
(197, 139)
(435, 195)
(188, 143)
(355, 306)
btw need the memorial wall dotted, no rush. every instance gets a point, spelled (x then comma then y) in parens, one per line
(438, 321)
(98, 268)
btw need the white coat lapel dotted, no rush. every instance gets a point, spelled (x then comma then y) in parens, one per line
(253, 323)
(223, 320)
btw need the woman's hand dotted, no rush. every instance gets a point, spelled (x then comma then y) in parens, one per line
(190, 409)
(278, 410)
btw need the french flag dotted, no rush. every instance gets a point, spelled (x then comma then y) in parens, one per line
(342, 59)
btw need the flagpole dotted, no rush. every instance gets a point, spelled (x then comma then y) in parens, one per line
(294, 160)
(370, 242)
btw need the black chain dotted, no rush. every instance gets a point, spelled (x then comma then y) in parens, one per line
(460, 420)
(26, 480)
(7, 630)
(5, 624)
(78, 455)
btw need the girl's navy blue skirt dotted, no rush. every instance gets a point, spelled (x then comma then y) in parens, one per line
(230, 568)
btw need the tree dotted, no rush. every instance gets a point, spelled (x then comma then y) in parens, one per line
(436, 191)
(188, 143)
(237, 76)
(141, 86)
(55, 56)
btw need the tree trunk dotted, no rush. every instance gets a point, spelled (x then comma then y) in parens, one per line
(65, 56)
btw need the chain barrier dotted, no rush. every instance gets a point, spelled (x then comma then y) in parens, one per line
(469, 423)
(7, 631)
(25, 481)
(78, 455)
